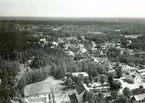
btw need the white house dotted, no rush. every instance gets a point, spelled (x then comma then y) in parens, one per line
(133, 77)
(54, 43)
(43, 40)
(80, 73)
(83, 50)
(117, 30)
(70, 53)
(0, 81)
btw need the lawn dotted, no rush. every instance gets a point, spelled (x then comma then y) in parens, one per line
(44, 87)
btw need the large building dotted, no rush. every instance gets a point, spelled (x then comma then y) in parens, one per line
(133, 77)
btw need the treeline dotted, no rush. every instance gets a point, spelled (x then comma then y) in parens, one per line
(103, 38)
(138, 43)
(33, 76)
(124, 56)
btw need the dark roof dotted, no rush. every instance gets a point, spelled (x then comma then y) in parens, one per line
(73, 98)
(80, 88)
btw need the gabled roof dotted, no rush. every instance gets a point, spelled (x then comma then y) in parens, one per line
(139, 97)
(81, 87)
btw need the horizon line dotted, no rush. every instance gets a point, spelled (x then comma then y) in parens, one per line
(60, 17)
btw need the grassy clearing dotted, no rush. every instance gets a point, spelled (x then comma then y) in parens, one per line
(44, 87)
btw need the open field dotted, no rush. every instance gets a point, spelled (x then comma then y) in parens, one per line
(43, 87)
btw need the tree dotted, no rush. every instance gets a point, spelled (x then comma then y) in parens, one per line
(69, 82)
(59, 72)
(116, 85)
(91, 68)
(113, 54)
(100, 97)
(126, 92)
(114, 94)
(106, 65)
(89, 97)
(118, 70)
(102, 79)
(123, 41)
(110, 78)
(72, 67)
(123, 99)
(22, 83)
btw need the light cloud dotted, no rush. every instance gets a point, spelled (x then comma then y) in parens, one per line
(73, 8)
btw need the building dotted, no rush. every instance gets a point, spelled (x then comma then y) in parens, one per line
(77, 97)
(0, 81)
(67, 46)
(70, 53)
(80, 73)
(83, 50)
(95, 32)
(133, 36)
(138, 98)
(98, 87)
(117, 30)
(133, 77)
(42, 40)
(129, 68)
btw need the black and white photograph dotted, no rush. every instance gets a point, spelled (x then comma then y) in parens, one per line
(72, 51)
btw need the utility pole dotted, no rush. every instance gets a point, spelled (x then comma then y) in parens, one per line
(53, 97)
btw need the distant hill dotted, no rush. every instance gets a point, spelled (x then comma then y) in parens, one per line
(54, 20)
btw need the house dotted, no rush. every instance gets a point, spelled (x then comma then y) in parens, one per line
(42, 40)
(80, 73)
(61, 40)
(78, 96)
(57, 29)
(94, 32)
(83, 50)
(138, 98)
(82, 37)
(67, 46)
(133, 77)
(133, 36)
(0, 81)
(54, 43)
(117, 30)
(93, 46)
(129, 68)
(98, 87)
(70, 53)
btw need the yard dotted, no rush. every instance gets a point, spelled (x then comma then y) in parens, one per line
(44, 87)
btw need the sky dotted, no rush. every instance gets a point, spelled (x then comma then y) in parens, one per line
(73, 8)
